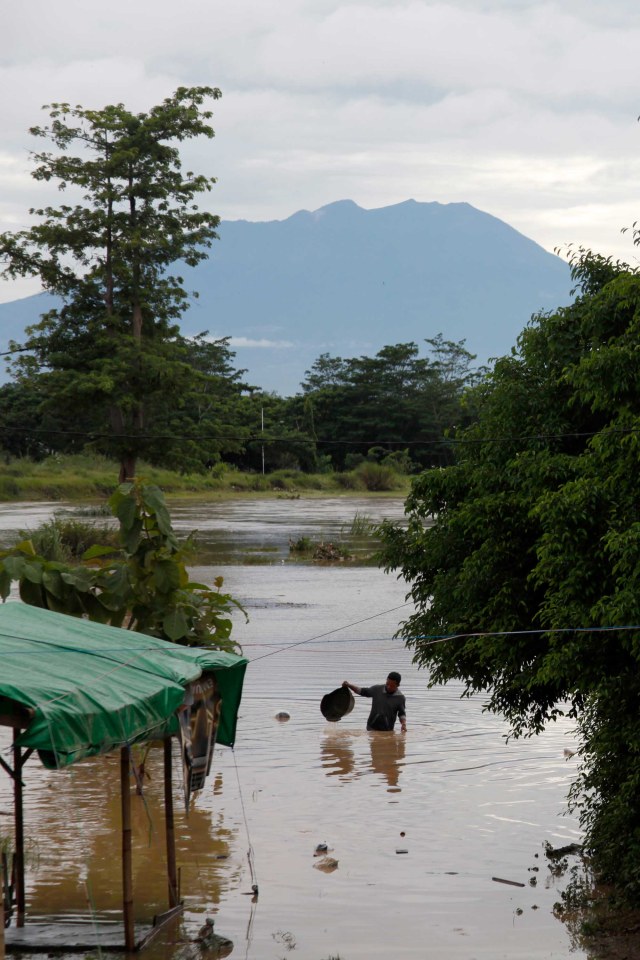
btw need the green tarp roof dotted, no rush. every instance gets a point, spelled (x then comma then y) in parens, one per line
(95, 688)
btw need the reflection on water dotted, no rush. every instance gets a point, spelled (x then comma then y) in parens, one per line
(465, 805)
(387, 755)
(338, 757)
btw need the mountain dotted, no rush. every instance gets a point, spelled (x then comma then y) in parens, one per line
(346, 281)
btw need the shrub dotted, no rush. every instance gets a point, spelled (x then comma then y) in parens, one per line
(375, 477)
(348, 481)
(67, 540)
(301, 545)
(9, 489)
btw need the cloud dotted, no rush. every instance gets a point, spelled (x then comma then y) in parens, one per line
(526, 109)
(261, 343)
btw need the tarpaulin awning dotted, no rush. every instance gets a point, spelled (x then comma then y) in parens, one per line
(94, 688)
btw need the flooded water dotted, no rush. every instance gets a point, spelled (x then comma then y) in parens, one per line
(419, 824)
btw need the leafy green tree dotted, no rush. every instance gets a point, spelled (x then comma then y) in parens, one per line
(526, 551)
(396, 397)
(206, 421)
(144, 585)
(286, 441)
(108, 254)
(21, 422)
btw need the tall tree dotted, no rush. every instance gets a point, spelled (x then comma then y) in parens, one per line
(112, 345)
(527, 549)
(393, 399)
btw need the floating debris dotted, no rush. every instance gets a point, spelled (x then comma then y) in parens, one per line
(555, 854)
(511, 883)
(205, 932)
(320, 849)
(326, 864)
(283, 716)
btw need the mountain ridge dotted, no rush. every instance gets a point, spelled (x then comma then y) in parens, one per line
(347, 281)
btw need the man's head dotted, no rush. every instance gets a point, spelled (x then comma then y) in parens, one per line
(393, 681)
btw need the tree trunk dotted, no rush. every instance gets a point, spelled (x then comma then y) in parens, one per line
(127, 467)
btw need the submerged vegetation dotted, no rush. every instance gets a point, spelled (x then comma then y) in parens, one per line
(358, 538)
(66, 539)
(136, 577)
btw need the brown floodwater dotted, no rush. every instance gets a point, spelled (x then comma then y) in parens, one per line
(463, 804)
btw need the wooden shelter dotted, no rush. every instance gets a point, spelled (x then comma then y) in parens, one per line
(72, 688)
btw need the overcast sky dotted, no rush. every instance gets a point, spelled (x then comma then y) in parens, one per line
(527, 110)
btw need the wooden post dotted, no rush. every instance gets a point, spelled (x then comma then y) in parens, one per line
(127, 881)
(172, 875)
(19, 828)
(2, 888)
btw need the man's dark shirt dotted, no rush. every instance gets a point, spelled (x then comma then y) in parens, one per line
(385, 707)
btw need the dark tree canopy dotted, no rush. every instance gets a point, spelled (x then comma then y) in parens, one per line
(536, 526)
(392, 399)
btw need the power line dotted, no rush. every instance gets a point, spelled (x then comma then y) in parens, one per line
(328, 633)
(260, 438)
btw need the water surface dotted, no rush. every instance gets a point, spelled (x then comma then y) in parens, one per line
(464, 804)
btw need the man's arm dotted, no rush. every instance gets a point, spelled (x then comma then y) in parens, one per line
(402, 717)
(352, 686)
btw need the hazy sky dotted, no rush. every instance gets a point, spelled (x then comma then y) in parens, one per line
(527, 110)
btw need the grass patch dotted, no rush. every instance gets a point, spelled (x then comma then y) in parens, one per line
(362, 526)
(83, 477)
(66, 540)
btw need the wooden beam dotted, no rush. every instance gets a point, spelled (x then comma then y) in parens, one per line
(5, 766)
(172, 876)
(127, 877)
(159, 922)
(2, 893)
(18, 811)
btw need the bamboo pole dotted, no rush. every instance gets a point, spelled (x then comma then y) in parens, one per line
(172, 876)
(127, 881)
(18, 810)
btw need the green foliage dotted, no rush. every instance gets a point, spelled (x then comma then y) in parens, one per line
(145, 587)
(111, 352)
(193, 410)
(393, 398)
(361, 526)
(347, 481)
(301, 545)
(68, 539)
(375, 477)
(536, 527)
(83, 477)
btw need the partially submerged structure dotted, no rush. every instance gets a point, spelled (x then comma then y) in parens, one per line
(71, 688)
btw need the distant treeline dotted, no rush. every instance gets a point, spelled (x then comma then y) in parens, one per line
(394, 408)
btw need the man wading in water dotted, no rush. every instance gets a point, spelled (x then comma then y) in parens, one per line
(387, 703)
